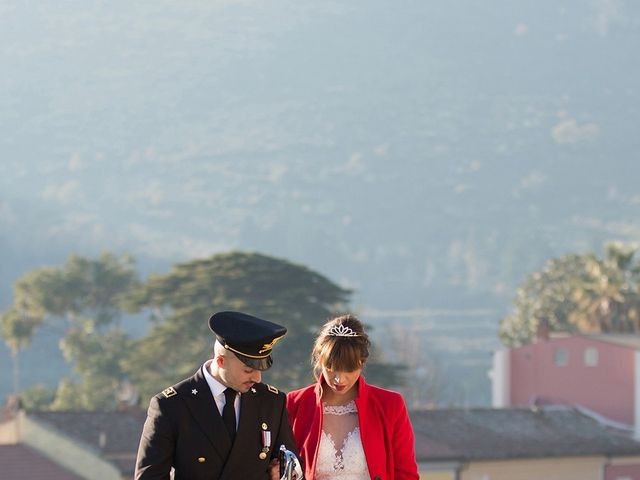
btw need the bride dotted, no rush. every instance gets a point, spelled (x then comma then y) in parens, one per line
(345, 428)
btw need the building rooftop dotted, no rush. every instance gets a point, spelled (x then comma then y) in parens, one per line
(624, 339)
(510, 433)
(19, 462)
(114, 435)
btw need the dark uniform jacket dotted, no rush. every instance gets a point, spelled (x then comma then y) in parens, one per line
(185, 430)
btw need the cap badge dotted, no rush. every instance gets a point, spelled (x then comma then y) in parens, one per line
(269, 346)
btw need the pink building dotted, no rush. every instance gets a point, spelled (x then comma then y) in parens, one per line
(599, 374)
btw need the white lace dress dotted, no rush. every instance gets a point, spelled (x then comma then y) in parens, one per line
(340, 454)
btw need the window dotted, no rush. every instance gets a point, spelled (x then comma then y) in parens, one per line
(591, 356)
(561, 356)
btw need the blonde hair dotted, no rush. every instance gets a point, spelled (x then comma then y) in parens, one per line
(344, 353)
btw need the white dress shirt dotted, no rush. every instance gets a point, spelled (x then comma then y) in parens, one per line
(217, 390)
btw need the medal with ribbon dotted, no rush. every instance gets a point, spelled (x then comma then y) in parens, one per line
(266, 441)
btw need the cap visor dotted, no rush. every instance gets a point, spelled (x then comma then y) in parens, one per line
(256, 363)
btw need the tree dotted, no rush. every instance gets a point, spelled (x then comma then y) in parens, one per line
(37, 397)
(181, 301)
(82, 300)
(17, 329)
(578, 293)
(428, 384)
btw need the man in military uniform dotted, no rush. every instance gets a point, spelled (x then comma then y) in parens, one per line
(222, 423)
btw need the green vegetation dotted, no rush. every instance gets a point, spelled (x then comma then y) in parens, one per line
(83, 300)
(86, 300)
(578, 293)
(181, 301)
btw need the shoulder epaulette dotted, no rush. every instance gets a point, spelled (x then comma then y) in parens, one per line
(169, 392)
(271, 388)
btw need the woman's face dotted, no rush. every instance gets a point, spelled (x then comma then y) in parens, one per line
(339, 382)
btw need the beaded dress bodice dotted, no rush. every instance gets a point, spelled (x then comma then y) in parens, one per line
(340, 454)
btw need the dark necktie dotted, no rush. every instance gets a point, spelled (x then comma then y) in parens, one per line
(229, 412)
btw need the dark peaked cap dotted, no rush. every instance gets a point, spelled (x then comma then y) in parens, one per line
(250, 338)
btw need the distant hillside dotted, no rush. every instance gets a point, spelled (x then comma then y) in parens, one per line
(427, 154)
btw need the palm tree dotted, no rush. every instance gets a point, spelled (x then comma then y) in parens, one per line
(17, 330)
(578, 293)
(609, 301)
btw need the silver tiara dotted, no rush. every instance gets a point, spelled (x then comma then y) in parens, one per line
(341, 330)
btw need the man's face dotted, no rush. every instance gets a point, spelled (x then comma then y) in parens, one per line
(236, 374)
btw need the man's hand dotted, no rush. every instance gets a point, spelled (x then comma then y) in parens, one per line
(274, 469)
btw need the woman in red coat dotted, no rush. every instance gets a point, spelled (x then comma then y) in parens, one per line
(344, 428)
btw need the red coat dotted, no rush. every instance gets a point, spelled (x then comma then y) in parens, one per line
(385, 430)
